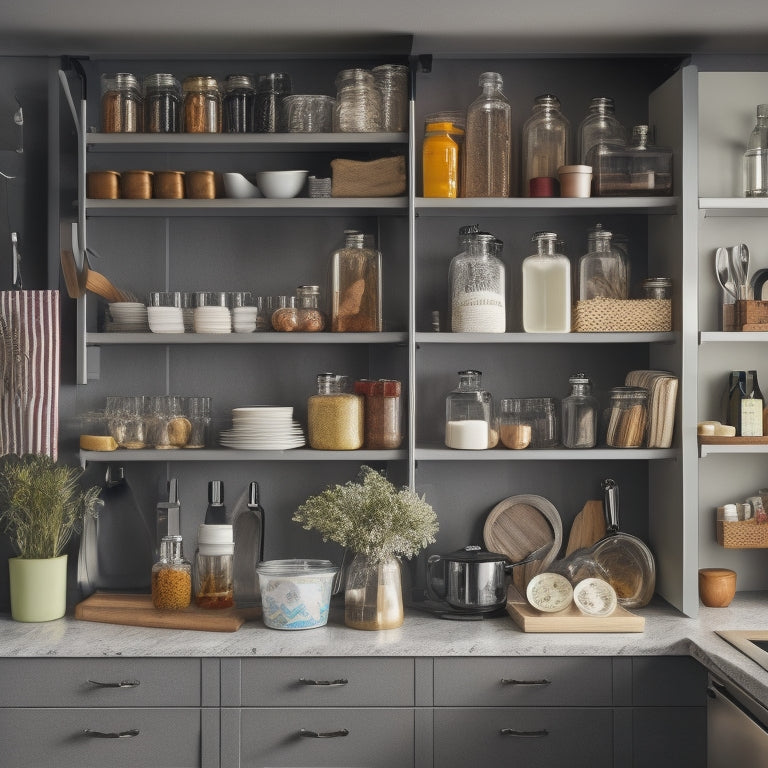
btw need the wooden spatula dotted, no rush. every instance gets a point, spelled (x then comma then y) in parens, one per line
(588, 527)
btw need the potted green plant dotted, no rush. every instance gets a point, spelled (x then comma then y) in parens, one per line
(41, 505)
(379, 523)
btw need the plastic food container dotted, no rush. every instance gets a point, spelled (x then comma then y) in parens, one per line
(296, 594)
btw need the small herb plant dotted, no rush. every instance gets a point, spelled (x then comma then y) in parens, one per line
(42, 504)
(371, 517)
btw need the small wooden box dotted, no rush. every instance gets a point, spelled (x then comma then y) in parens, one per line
(742, 534)
(751, 315)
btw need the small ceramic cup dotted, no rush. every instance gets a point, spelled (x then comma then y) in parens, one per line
(717, 586)
(575, 180)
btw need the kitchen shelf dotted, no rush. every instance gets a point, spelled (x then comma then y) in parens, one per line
(733, 206)
(551, 206)
(555, 454)
(267, 337)
(708, 449)
(740, 337)
(431, 337)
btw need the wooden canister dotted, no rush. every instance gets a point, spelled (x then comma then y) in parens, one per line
(169, 185)
(717, 586)
(103, 185)
(136, 185)
(200, 185)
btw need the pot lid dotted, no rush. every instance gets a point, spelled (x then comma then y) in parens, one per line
(473, 553)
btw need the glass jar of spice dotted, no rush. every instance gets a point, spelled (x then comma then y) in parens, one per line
(335, 418)
(171, 576)
(238, 103)
(121, 103)
(303, 315)
(162, 103)
(213, 573)
(202, 104)
(382, 412)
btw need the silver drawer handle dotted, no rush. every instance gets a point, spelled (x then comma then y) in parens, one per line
(524, 734)
(509, 681)
(324, 734)
(121, 684)
(329, 683)
(121, 735)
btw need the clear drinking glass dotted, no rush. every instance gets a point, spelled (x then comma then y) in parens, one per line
(197, 410)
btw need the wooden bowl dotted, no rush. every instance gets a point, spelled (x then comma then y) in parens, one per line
(717, 586)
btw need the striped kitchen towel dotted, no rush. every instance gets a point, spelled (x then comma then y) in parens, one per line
(29, 372)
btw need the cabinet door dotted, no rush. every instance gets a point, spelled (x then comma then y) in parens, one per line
(665, 737)
(534, 738)
(130, 738)
(376, 738)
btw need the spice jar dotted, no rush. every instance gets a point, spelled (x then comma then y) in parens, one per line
(304, 315)
(239, 96)
(603, 270)
(355, 291)
(382, 413)
(627, 417)
(213, 576)
(171, 576)
(202, 104)
(657, 288)
(335, 418)
(267, 110)
(468, 414)
(579, 414)
(162, 104)
(120, 103)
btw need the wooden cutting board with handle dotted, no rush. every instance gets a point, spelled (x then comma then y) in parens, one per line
(138, 611)
(588, 527)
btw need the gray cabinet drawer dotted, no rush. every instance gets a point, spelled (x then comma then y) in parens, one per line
(65, 682)
(375, 738)
(528, 682)
(533, 738)
(32, 738)
(668, 681)
(324, 682)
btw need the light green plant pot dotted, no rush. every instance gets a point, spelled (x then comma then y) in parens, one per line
(38, 588)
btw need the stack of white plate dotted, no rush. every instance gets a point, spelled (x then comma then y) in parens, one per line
(263, 427)
(165, 319)
(127, 316)
(244, 319)
(213, 319)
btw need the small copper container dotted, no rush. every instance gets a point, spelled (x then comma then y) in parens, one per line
(200, 185)
(103, 185)
(169, 185)
(136, 185)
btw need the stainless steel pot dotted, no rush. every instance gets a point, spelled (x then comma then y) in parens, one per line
(472, 579)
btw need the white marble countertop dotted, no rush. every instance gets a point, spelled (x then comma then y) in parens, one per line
(667, 632)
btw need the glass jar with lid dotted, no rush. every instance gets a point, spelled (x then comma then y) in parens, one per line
(657, 288)
(469, 414)
(355, 290)
(162, 103)
(603, 270)
(392, 83)
(358, 102)
(238, 103)
(599, 126)
(202, 104)
(627, 423)
(756, 156)
(382, 412)
(171, 576)
(441, 159)
(579, 414)
(303, 315)
(545, 147)
(478, 285)
(546, 287)
(121, 103)
(268, 104)
(335, 417)
(213, 570)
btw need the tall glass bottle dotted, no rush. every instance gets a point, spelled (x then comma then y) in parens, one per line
(468, 414)
(488, 143)
(745, 404)
(599, 126)
(756, 157)
(545, 145)
(356, 285)
(603, 270)
(579, 414)
(546, 287)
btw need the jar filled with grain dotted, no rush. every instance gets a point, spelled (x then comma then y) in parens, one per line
(382, 413)
(121, 103)
(239, 93)
(335, 418)
(268, 105)
(171, 576)
(162, 103)
(355, 291)
(202, 104)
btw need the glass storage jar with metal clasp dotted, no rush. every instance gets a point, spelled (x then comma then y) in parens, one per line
(469, 416)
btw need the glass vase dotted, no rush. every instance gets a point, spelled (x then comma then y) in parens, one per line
(373, 596)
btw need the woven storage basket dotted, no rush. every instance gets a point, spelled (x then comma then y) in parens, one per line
(742, 534)
(622, 315)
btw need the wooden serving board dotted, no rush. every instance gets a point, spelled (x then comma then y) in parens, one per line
(588, 527)
(719, 440)
(138, 611)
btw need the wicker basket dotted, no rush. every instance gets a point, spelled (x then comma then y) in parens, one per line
(742, 534)
(622, 315)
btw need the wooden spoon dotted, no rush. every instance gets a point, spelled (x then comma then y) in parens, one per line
(71, 275)
(101, 285)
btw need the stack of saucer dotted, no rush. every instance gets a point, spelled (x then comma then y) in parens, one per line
(244, 319)
(165, 319)
(263, 427)
(213, 319)
(127, 316)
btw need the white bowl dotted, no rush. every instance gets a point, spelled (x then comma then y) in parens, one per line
(281, 184)
(236, 185)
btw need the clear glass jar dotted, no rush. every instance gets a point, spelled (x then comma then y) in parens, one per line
(469, 414)
(603, 270)
(303, 315)
(488, 157)
(268, 104)
(538, 414)
(238, 103)
(121, 103)
(441, 159)
(162, 103)
(373, 593)
(358, 102)
(657, 288)
(756, 157)
(213, 573)
(202, 104)
(546, 287)
(579, 414)
(545, 146)
(335, 418)
(627, 417)
(382, 413)
(599, 126)
(171, 576)
(392, 83)
(355, 290)
(478, 285)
